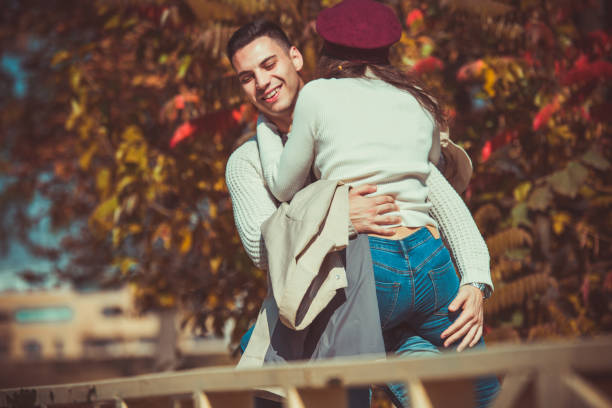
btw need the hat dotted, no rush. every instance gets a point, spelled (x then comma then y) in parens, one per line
(457, 167)
(359, 25)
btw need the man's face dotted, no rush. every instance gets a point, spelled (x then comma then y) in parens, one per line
(269, 76)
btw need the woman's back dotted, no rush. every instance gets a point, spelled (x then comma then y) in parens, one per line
(367, 131)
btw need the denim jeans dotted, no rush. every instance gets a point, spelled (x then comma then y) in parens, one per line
(415, 282)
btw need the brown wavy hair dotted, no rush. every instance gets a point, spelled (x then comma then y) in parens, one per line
(330, 67)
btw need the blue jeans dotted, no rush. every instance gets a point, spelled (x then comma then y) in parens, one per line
(415, 282)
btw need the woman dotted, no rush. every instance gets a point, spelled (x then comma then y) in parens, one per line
(364, 122)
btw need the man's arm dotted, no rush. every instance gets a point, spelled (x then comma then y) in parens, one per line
(471, 256)
(253, 204)
(251, 201)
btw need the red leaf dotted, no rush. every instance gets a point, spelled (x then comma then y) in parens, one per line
(544, 114)
(427, 65)
(470, 70)
(181, 133)
(486, 151)
(220, 122)
(179, 102)
(413, 16)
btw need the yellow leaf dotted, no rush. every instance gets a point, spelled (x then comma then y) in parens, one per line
(220, 184)
(214, 264)
(213, 300)
(124, 182)
(59, 56)
(112, 23)
(166, 300)
(521, 191)
(560, 221)
(103, 180)
(104, 212)
(212, 210)
(219, 165)
(186, 241)
(85, 159)
(125, 264)
(490, 79)
(132, 134)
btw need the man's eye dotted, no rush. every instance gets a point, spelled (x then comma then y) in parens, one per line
(270, 65)
(245, 79)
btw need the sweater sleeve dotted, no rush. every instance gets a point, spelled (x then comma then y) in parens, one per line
(252, 205)
(465, 242)
(286, 170)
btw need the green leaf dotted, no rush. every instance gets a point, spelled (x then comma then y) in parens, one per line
(185, 63)
(569, 180)
(594, 158)
(540, 199)
(520, 215)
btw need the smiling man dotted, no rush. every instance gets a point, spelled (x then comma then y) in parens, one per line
(268, 66)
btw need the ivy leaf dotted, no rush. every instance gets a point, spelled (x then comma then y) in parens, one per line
(569, 180)
(595, 159)
(540, 198)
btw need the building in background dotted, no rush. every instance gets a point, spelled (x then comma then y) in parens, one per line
(64, 336)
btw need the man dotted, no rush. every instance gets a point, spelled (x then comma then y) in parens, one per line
(268, 66)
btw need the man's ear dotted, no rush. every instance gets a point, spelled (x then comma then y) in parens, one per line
(296, 58)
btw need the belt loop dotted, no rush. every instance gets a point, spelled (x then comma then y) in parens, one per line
(433, 230)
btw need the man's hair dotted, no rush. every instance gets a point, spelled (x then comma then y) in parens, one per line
(252, 31)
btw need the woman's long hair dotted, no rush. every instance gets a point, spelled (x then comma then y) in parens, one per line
(330, 67)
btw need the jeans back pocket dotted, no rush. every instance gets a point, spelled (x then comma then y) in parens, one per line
(386, 294)
(445, 285)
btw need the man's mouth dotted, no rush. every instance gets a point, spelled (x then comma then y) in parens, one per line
(272, 96)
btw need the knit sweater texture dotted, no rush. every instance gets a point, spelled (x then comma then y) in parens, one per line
(360, 131)
(253, 203)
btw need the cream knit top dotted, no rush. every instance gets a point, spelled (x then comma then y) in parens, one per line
(360, 131)
(253, 203)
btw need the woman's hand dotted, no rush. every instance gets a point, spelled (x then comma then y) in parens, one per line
(470, 322)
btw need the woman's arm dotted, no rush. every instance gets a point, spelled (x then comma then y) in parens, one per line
(286, 170)
(467, 246)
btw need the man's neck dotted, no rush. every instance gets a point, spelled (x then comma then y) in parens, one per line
(282, 123)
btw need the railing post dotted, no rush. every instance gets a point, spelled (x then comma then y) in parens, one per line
(587, 393)
(550, 391)
(200, 400)
(512, 387)
(120, 403)
(418, 394)
(332, 396)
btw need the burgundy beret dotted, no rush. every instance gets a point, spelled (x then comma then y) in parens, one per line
(364, 24)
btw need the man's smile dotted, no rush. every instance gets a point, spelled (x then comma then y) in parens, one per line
(272, 95)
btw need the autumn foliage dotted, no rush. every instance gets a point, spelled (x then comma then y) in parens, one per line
(132, 111)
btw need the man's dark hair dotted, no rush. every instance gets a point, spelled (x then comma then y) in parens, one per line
(252, 31)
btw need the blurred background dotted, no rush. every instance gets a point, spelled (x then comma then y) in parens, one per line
(118, 251)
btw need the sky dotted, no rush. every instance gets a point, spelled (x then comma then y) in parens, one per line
(18, 257)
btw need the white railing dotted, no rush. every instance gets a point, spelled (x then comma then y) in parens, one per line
(563, 374)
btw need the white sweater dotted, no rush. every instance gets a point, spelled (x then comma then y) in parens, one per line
(360, 131)
(253, 204)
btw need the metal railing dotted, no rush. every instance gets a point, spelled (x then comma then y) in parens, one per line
(563, 374)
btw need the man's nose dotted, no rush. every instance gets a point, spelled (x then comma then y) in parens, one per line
(262, 80)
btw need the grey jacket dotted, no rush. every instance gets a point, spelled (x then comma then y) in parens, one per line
(323, 292)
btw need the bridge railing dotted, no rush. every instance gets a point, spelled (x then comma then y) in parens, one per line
(563, 374)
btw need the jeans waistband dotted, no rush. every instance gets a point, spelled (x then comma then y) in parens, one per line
(415, 239)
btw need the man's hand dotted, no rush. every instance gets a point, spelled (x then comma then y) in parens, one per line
(470, 321)
(367, 214)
